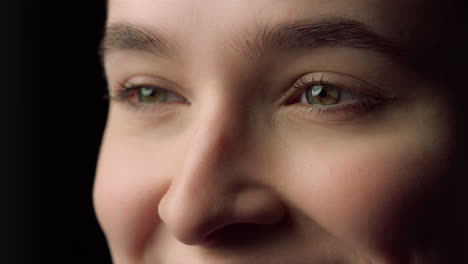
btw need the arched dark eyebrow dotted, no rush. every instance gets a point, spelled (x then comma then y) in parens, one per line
(286, 36)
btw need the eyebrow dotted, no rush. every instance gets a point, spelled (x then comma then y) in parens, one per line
(306, 34)
(302, 34)
(127, 36)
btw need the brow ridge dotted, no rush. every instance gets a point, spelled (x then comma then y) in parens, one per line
(307, 34)
(128, 36)
(299, 34)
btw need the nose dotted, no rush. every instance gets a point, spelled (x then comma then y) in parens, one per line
(212, 190)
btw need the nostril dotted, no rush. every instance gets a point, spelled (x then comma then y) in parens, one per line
(246, 234)
(222, 215)
(237, 233)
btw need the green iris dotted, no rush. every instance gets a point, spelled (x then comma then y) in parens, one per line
(323, 95)
(151, 95)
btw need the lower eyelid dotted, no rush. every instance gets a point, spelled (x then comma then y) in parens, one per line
(173, 98)
(150, 110)
(334, 113)
(335, 107)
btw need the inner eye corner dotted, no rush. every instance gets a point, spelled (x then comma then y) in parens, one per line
(293, 98)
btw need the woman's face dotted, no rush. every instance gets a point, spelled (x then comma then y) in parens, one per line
(269, 131)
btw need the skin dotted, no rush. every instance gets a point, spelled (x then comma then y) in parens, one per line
(235, 175)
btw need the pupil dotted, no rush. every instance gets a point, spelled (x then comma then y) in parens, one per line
(322, 93)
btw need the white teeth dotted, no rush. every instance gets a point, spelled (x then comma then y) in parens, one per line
(316, 89)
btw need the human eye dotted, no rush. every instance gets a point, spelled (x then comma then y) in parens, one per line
(145, 95)
(335, 97)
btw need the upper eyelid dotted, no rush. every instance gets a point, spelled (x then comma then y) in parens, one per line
(347, 82)
(129, 88)
(128, 100)
(300, 83)
(144, 80)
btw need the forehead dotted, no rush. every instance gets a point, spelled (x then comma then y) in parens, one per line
(402, 20)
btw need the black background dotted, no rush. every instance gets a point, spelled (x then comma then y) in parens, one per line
(75, 112)
(52, 112)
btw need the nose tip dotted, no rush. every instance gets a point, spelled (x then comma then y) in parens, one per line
(215, 187)
(190, 216)
(194, 217)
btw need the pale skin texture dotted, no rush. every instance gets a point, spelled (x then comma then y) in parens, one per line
(236, 175)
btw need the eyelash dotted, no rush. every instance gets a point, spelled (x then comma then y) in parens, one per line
(126, 91)
(363, 103)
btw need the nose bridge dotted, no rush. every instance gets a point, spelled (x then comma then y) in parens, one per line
(202, 194)
(212, 153)
(218, 136)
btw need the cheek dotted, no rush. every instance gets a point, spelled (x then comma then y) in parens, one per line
(364, 191)
(130, 181)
